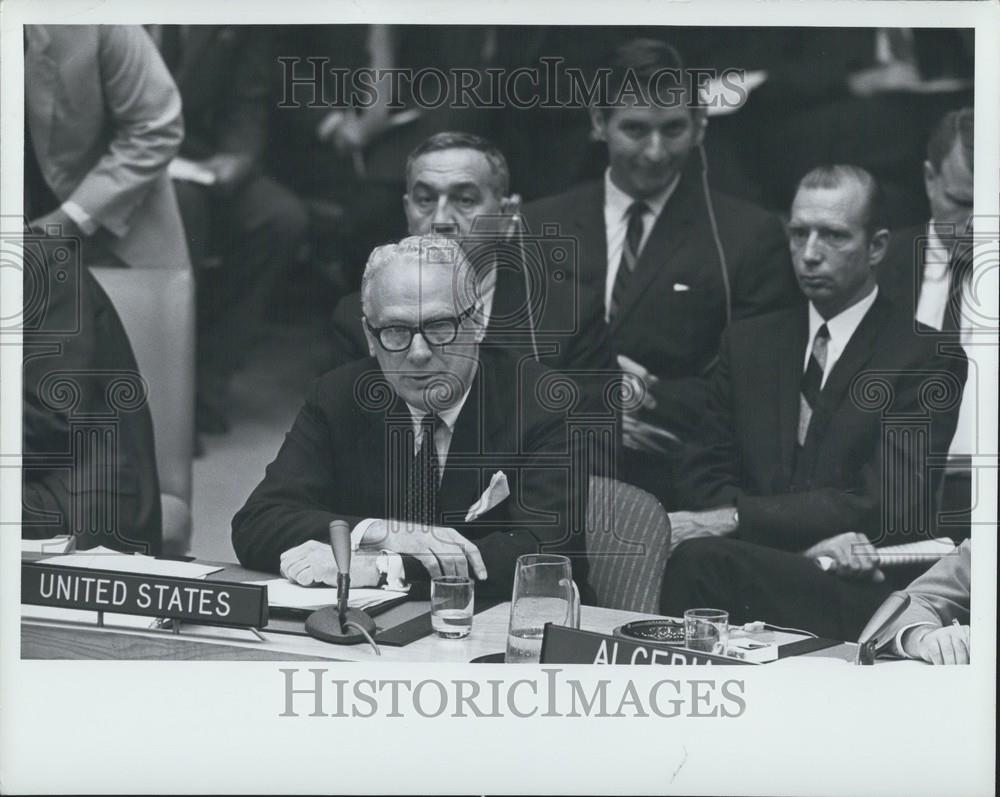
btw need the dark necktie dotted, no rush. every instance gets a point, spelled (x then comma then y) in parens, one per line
(630, 255)
(422, 486)
(812, 381)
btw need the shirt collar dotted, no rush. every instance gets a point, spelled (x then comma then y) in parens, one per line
(618, 202)
(842, 326)
(449, 415)
(936, 254)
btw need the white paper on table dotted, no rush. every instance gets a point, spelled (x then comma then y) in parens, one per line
(190, 171)
(102, 558)
(285, 594)
(64, 543)
(498, 491)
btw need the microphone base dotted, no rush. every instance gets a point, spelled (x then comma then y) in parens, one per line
(324, 624)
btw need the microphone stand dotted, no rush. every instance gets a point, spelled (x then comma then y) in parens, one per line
(340, 624)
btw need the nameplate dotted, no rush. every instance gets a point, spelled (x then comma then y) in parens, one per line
(187, 599)
(562, 645)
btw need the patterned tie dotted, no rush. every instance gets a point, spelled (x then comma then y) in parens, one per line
(812, 381)
(630, 255)
(421, 493)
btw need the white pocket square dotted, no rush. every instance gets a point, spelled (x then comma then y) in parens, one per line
(492, 495)
(680, 287)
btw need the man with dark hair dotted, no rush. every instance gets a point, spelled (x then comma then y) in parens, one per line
(820, 424)
(928, 270)
(673, 260)
(457, 184)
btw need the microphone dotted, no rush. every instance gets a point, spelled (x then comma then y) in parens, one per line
(872, 639)
(340, 624)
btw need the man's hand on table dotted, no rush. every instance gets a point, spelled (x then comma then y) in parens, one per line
(853, 555)
(441, 550)
(312, 562)
(945, 645)
(707, 523)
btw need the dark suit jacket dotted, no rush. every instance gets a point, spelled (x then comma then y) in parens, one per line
(334, 461)
(224, 76)
(79, 374)
(675, 333)
(845, 478)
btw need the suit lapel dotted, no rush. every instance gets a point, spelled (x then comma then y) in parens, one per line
(588, 229)
(461, 481)
(855, 356)
(670, 234)
(791, 355)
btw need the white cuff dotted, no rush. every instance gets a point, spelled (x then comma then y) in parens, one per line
(80, 217)
(391, 563)
(358, 532)
(898, 642)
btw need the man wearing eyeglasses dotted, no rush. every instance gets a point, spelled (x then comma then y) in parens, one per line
(443, 458)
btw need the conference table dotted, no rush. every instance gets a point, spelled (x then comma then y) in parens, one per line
(56, 633)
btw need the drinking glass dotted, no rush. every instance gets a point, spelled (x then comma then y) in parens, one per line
(706, 630)
(452, 598)
(544, 592)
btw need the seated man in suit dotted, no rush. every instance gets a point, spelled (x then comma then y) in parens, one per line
(674, 261)
(818, 430)
(458, 184)
(935, 626)
(928, 269)
(400, 445)
(89, 464)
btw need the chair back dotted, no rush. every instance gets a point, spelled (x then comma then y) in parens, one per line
(156, 307)
(628, 542)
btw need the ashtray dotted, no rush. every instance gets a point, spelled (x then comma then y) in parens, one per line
(664, 631)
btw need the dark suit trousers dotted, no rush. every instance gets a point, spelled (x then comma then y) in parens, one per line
(255, 232)
(753, 582)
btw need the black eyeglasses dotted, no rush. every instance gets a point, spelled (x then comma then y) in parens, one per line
(439, 332)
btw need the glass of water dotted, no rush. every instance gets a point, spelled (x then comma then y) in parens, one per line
(706, 630)
(452, 598)
(544, 592)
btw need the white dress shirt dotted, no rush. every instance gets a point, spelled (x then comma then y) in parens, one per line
(616, 205)
(442, 444)
(841, 328)
(933, 298)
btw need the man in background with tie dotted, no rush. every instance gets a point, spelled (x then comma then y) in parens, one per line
(674, 261)
(821, 426)
(443, 458)
(928, 268)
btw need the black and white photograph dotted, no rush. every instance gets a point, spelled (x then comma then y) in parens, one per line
(352, 355)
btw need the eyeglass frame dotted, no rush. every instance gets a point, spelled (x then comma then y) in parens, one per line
(456, 322)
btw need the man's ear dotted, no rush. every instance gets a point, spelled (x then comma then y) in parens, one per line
(877, 247)
(598, 124)
(929, 176)
(368, 336)
(700, 118)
